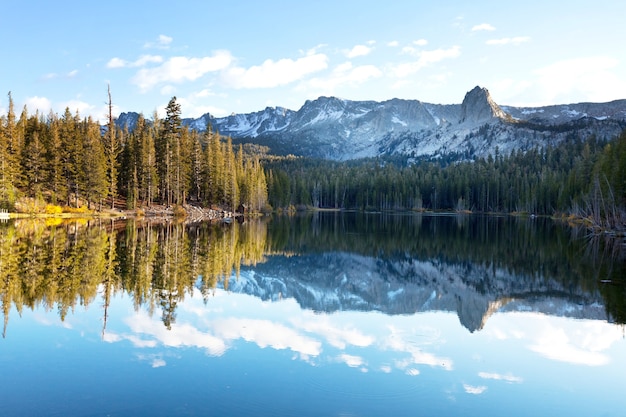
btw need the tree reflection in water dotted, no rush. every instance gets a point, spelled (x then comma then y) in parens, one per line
(63, 265)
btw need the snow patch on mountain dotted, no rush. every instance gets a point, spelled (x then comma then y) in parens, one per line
(342, 281)
(395, 119)
(340, 129)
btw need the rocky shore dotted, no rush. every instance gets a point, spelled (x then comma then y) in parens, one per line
(189, 213)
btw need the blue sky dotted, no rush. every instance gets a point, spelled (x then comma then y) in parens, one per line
(241, 56)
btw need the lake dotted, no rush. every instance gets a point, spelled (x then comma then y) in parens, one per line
(319, 314)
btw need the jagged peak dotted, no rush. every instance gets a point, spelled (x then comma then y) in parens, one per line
(326, 101)
(479, 106)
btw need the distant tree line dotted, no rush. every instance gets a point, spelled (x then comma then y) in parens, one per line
(74, 161)
(586, 177)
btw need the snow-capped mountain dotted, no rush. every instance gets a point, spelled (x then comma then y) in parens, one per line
(333, 128)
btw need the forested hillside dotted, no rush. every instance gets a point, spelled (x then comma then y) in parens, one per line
(586, 178)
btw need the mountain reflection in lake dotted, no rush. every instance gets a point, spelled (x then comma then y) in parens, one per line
(339, 314)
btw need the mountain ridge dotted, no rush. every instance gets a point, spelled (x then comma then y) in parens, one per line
(340, 129)
(341, 281)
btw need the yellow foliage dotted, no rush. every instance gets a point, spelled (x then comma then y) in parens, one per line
(76, 210)
(179, 211)
(53, 209)
(53, 221)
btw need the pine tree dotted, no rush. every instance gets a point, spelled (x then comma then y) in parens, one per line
(197, 167)
(112, 149)
(215, 166)
(54, 165)
(9, 158)
(169, 155)
(94, 186)
(33, 156)
(145, 160)
(184, 165)
(71, 155)
(231, 190)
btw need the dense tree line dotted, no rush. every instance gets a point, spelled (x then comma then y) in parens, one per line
(539, 181)
(74, 161)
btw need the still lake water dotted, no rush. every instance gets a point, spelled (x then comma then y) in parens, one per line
(324, 314)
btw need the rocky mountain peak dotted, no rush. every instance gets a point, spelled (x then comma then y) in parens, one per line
(341, 129)
(478, 106)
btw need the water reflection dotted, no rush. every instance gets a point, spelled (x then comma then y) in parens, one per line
(327, 262)
(321, 314)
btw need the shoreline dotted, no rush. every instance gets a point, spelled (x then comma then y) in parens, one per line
(187, 213)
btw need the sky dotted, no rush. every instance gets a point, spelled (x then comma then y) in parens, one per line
(242, 56)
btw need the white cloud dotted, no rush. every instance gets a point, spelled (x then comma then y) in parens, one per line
(140, 62)
(592, 77)
(560, 339)
(358, 50)
(474, 390)
(267, 333)
(275, 73)
(197, 111)
(179, 69)
(313, 50)
(165, 40)
(155, 360)
(507, 88)
(42, 104)
(393, 44)
(415, 47)
(110, 337)
(162, 42)
(204, 93)
(351, 361)
(425, 58)
(158, 362)
(339, 337)
(79, 106)
(180, 335)
(518, 40)
(168, 90)
(194, 104)
(139, 342)
(500, 377)
(116, 63)
(483, 26)
(557, 345)
(343, 75)
(53, 75)
(146, 59)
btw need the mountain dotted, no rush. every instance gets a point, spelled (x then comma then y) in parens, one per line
(341, 281)
(338, 129)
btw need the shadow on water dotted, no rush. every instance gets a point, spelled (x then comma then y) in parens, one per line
(326, 261)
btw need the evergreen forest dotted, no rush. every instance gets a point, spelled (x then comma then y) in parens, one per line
(75, 162)
(72, 161)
